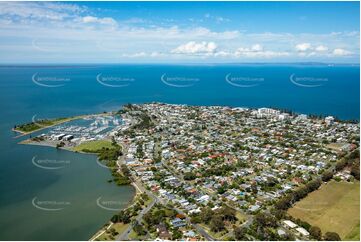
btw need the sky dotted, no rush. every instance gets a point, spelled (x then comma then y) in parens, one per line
(179, 32)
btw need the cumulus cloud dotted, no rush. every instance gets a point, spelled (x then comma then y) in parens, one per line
(193, 47)
(321, 48)
(77, 33)
(258, 51)
(303, 47)
(341, 52)
(257, 47)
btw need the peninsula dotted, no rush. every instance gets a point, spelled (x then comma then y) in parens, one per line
(223, 173)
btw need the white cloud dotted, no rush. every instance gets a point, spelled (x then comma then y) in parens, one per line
(40, 11)
(258, 51)
(135, 55)
(72, 32)
(193, 47)
(341, 52)
(92, 19)
(257, 47)
(303, 47)
(321, 48)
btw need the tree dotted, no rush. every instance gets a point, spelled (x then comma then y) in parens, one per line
(265, 219)
(355, 169)
(313, 185)
(279, 214)
(176, 234)
(228, 213)
(139, 229)
(206, 215)
(315, 232)
(332, 236)
(124, 217)
(216, 223)
(284, 202)
(300, 193)
(240, 233)
(327, 175)
(115, 218)
(189, 176)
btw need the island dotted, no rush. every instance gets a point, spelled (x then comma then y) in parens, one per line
(222, 173)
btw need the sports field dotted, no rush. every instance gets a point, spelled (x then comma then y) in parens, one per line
(335, 207)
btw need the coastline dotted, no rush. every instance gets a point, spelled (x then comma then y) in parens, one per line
(119, 162)
(136, 189)
(65, 120)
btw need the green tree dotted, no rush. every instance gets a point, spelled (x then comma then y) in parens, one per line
(240, 233)
(216, 223)
(331, 236)
(315, 232)
(327, 175)
(206, 215)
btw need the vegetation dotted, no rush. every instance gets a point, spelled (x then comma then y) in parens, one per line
(93, 146)
(108, 152)
(216, 219)
(33, 126)
(122, 217)
(354, 234)
(331, 208)
(114, 230)
(189, 176)
(139, 229)
(332, 236)
(315, 232)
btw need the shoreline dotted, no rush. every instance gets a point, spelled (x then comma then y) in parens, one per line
(136, 190)
(120, 161)
(23, 133)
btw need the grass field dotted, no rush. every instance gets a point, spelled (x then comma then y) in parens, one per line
(335, 207)
(119, 227)
(93, 145)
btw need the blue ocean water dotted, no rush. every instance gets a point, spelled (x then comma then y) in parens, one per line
(58, 91)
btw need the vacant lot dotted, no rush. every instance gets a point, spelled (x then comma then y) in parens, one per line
(93, 146)
(334, 207)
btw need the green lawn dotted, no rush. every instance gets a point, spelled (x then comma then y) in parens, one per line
(119, 227)
(40, 124)
(216, 235)
(93, 146)
(354, 235)
(335, 207)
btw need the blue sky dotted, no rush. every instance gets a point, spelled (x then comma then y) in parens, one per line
(179, 32)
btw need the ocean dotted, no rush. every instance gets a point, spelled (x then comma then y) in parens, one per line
(64, 90)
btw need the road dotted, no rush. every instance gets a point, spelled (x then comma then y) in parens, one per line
(125, 235)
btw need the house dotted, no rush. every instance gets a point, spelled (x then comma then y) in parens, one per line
(303, 232)
(177, 222)
(281, 232)
(254, 208)
(189, 233)
(290, 224)
(163, 232)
